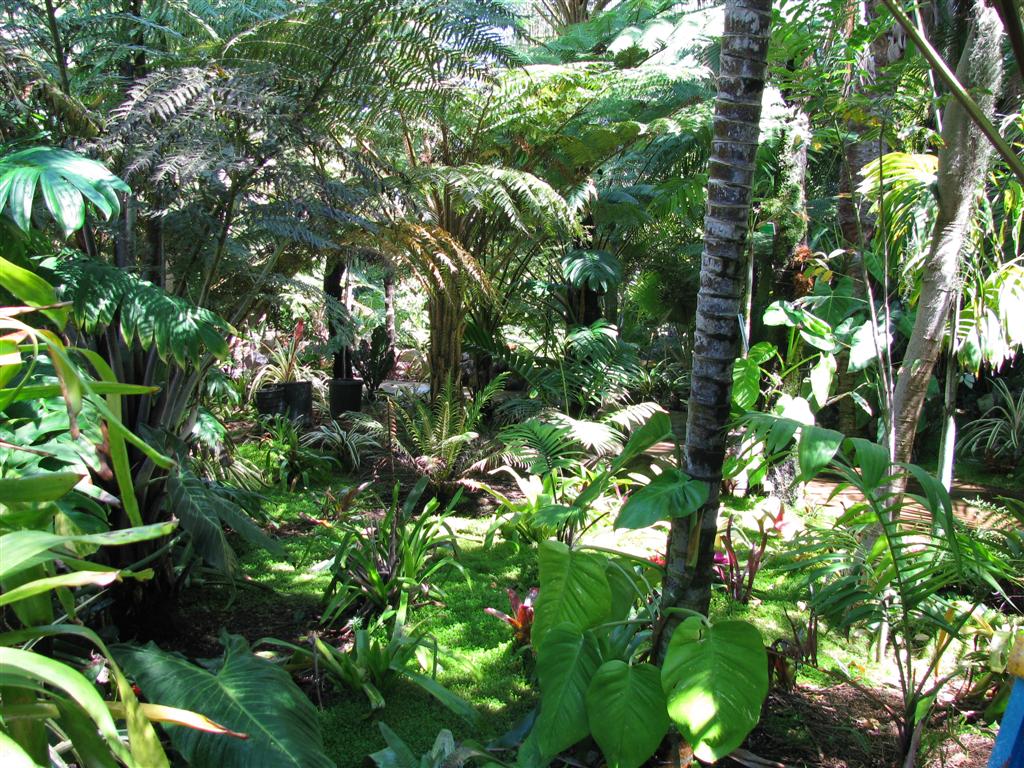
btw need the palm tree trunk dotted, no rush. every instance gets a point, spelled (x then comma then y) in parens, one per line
(722, 274)
(962, 164)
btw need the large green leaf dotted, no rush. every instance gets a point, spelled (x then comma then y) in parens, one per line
(669, 495)
(23, 549)
(816, 448)
(46, 486)
(101, 295)
(657, 428)
(566, 663)
(573, 589)
(716, 679)
(746, 383)
(597, 270)
(66, 180)
(626, 711)
(822, 375)
(242, 692)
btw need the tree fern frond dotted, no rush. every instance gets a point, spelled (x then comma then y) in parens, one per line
(102, 295)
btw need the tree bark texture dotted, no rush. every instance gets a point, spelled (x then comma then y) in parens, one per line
(716, 342)
(855, 221)
(963, 160)
(447, 322)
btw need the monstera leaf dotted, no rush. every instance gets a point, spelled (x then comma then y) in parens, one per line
(66, 181)
(716, 678)
(242, 692)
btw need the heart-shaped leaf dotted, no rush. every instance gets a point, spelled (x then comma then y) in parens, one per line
(716, 679)
(626, 711)
(671, 494)
(573, 589)
(566, 663)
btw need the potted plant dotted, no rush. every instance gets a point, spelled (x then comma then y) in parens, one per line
(344, 392)
(282, 385)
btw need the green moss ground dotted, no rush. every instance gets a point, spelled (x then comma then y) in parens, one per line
(479, 661)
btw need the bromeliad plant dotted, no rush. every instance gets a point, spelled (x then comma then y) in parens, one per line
(521, 619)
(739, 578)
(383, 565)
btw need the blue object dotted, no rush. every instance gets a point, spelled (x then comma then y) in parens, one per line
(1009, 749)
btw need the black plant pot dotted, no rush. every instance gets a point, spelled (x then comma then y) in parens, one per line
(345, 395)
(270, 400)
(298, 401)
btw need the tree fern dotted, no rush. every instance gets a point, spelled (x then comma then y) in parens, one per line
(102, 296)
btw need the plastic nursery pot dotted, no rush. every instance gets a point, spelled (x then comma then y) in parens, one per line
(270, 401)
(298, 401)
(345, 395)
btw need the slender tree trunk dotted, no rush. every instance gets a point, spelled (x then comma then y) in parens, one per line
(390, 323)
(963, 160)
(342, 365)
(716, 343)
(447, 323)
(947, 441)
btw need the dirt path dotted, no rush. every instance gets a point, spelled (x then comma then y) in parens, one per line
(820, 494)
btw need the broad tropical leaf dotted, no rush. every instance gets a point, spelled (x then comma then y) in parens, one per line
(669, 495)
(241, 692)
(716, 679)
(566, 662)
(626, 710)
(573, 589)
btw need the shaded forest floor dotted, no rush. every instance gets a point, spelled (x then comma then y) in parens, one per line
(820, 723)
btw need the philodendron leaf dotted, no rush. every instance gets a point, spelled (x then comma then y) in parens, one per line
(626, 712)
(243, 693)
(657, 428)
(716, 679)
(746, 383)
(566, 663)
(822, 376)
(816, 449)
(573, 590)
(671, 494)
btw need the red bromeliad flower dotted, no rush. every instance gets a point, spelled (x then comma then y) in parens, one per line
(521, 619)
(299, 329)
(657, 560)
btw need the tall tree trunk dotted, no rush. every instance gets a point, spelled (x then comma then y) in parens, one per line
(342, 365)
(390, 324)
(447, 323)
(856, 223)
(963, 160)
(947, 440)
(716, 344)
